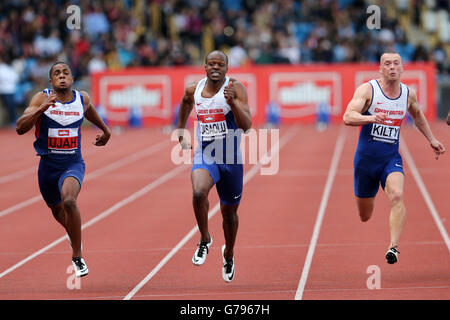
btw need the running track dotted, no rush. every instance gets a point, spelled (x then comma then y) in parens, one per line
(299, 234)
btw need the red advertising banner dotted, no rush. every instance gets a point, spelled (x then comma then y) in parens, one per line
(154, 93)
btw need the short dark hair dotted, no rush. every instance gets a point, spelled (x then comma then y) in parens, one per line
(217, 51)
(53, 65)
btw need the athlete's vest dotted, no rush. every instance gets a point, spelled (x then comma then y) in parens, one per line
(215, 119)
(58, 134)
(382, 139)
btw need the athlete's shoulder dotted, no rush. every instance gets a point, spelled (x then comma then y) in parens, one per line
(85, 100)
(41, 93)
(368, 84)
(84, 94)
(236, 81)
(364, 90)
(411, 90)
(38, 98)
(190, 88)
(412, 95)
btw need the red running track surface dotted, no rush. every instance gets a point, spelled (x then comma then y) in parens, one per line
(299, 233)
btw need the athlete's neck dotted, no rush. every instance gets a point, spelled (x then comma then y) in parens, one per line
(214, 86)
(390, 87)
(64, 95)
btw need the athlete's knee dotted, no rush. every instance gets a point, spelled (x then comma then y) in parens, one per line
(70, 204)
(365, 208)
(396, 196)
(199, 195)
(365, 213)
(364, 216)
(229, 213)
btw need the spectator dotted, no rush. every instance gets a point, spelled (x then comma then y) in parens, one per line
(97, 63)
(8, 84)
(95, 22)
(439, 56)
(48, 44)
(421, 54)
(288, 48)
(124, 33)
(237, 55)
(405, 49)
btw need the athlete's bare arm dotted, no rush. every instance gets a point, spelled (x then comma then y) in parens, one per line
(186, 105)
(38, 104)
(448, 118)
(90, 113)
(353, 115)
(236, 97)
(422, 124)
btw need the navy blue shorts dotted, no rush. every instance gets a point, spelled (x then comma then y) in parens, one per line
(370, 172)
(228, 178)
(51, 175)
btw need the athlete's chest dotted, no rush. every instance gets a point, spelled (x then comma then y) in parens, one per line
(392, 108)
(214, 104)
(65, 113)
(211, 115)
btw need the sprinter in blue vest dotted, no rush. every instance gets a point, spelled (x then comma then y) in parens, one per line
(379, 107)
(57, 115)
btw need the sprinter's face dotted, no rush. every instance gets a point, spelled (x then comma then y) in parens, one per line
(61, 77)
(216, 67)
(391, 67)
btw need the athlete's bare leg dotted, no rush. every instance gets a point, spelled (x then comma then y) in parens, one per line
(69, 193)
(230, 226)
(58, 214)
(397, 218)
(365, 207)
(202, 183)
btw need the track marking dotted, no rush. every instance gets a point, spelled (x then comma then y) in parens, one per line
(241, 247)
(17, 174)
(320, 214)
(166, 177)
(24, 172)
(155, 296)
(437, 219)
(218, 293)
(94, 174)
(377, 290)
(249, 175)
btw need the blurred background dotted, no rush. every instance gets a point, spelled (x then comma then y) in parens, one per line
(119, 35)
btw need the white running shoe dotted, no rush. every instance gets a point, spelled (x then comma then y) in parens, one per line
(80, 266)
(228, 270)
(391, 255)
(199, 256)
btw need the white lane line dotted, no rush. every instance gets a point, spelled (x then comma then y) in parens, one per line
(33, 169)
(250, 174)
(437, 219)
(166, 177)
(320, 214)
(17, 174)
(94, 174)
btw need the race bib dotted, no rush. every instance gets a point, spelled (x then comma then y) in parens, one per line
(385, 133)
(213, 125)
(63, 140)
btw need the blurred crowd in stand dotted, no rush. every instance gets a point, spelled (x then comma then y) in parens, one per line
(115, 34)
